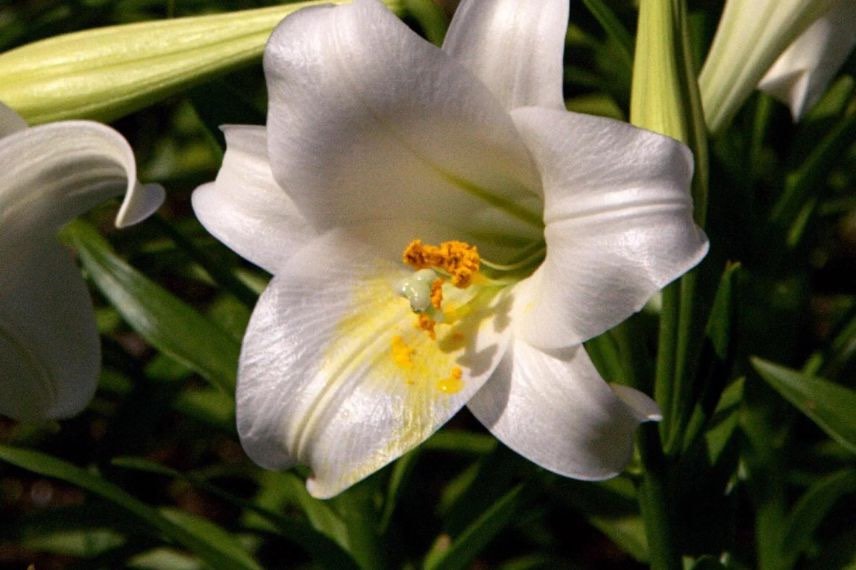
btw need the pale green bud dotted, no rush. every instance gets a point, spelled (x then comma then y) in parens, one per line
(665, 96)
(107, 72)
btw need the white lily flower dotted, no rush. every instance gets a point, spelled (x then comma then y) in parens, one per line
(750, 36)
(548, 228)
(49, 349)
(800, 76)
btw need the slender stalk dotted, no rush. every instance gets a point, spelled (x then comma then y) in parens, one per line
(655, 503)
(664, 385)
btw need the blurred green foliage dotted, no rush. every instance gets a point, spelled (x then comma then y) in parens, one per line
(152, 474)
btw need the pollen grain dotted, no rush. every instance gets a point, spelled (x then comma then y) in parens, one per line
(459, 259)
(454, 383)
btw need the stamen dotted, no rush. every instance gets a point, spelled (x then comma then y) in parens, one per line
(424, 289)
(437, 293)
(459, 259)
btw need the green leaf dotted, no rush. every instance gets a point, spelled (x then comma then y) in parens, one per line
(324, 550)
(465, 547)
(810, 511)
(162, 319)
(611, 507)
(430, 16)
(721, 320)
(724, 421)
(829, 405)
(209, 532)
(614, 29)
(707, 563)
(460, 441)
(402, 471)
(211, 551)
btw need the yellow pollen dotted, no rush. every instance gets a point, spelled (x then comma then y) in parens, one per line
(437, 293)
(426, 323)
(454, 383)
(459, 259)
(402, 354)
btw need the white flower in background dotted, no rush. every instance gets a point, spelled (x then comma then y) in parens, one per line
(750, 36)
(442, 232)
(801, 74)
(49, 349)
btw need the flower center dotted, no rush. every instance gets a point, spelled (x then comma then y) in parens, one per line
(455, 261)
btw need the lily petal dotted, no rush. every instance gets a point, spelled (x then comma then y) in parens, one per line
(10, 122)
(556, 411)
(49, 348)
(52, 173)
(514, 47)
(246, 209)
(800, 76)
(368, 122)
(49, 351)
(619, 224)
(335, 374)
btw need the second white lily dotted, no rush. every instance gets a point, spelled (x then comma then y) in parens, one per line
(801, 74)
(442, 232)
(49, 350)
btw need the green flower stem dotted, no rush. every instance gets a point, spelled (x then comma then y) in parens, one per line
(664, 386)
(665, 98)
(655, 502)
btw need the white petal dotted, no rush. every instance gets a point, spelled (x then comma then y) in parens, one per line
(335, 374)
(49, 350)
(368, 122)
(246, 209)
(10, 122)
(619, 224)
(514, 47)
(51, 173)
(559, 413)
(800, 76)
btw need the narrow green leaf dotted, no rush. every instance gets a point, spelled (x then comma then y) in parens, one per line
(163, 320)
(707, 563)
(720, 322)
(796, 205)
(223, 276)
(324, 550)
(829, 405)
(627, 532)
(724, 421)
(614, 29)
(209, 532)
(473, 539)
(810, 511)
(460, 441)
(430, 16)
(401, 473)
(211, 551)
(611, 507)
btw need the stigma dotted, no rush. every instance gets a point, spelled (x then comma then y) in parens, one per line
(456, 261)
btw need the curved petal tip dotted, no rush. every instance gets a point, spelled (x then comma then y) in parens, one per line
(140, 202)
